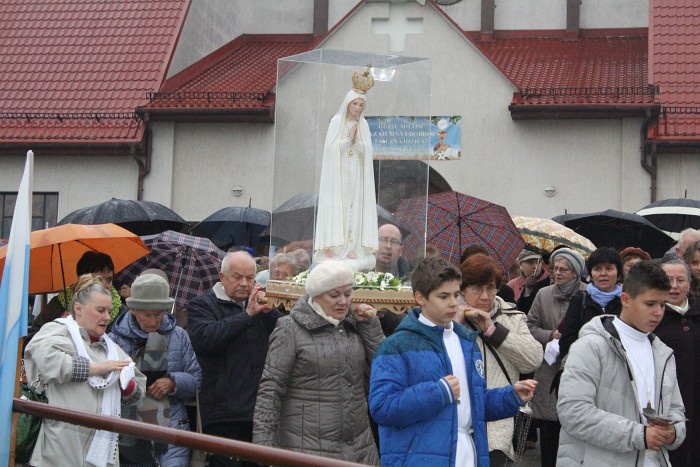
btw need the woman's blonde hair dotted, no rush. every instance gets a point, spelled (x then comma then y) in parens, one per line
(87, 283)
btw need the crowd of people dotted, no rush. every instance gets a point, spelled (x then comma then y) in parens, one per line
(603, 349)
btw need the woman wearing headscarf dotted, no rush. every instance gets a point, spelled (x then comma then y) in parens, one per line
(680, 330)
(163, 352)
(505, 342)
(81, 368)
(346, 223)
(545, 315)
(602, 296)
(312, 392)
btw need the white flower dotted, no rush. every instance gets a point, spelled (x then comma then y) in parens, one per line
(359, 280)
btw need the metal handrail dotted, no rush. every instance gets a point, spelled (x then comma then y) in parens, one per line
(207, 443)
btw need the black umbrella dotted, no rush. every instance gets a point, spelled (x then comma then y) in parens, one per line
(294, 219)
(233, 226)
(619, 230)
(139, 217)
(673, 215)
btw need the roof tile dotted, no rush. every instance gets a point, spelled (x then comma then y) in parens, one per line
(675, 67)
(592, 70)
(79, 57)
(238, 76)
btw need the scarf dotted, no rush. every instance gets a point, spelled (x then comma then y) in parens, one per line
(567, 290)
(151, 357)
(103, 449)
(319, 311)
(680, 309)
(603, 298)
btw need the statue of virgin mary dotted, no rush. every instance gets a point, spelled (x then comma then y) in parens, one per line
(346, 221)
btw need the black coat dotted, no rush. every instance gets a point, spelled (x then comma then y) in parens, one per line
(231, 348)
(581, 310)
(682, 334)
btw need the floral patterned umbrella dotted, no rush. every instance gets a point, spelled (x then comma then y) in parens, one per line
(543, 235)
(453, 221)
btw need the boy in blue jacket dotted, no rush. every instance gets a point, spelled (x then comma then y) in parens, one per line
(428, 388)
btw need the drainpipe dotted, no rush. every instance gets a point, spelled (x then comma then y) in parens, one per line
(651, 169)
(143, 161)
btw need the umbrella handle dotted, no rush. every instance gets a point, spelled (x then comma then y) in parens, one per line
(63, 274)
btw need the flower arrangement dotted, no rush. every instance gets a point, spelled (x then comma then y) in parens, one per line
(363, 280)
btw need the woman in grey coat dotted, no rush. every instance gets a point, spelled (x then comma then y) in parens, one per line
(545, 315)
(312, 395)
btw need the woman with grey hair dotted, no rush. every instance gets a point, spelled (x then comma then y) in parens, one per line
(545, 315)
(312, 393)
(81, 368)
(163, 352)
(680, 330)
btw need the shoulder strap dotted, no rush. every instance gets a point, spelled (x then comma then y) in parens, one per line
(493, 352)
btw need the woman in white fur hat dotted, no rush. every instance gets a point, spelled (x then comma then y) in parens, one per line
(312, 393)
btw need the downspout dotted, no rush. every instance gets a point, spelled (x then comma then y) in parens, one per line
(144, 163)
(651, 169)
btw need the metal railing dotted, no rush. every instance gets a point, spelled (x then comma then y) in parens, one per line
(207, 443)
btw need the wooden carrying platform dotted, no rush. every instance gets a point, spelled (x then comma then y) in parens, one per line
(285, 294)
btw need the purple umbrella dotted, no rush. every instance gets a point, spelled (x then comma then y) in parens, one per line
(454, 221)
(191, 263)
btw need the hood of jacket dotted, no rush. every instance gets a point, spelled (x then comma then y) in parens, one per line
(603, 326)
(126, 326)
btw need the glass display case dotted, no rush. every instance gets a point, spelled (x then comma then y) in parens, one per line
(333, 190)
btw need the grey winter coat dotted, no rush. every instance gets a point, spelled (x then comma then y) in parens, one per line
(546, 313)
(312, 395)
(183, 369)
(598, 406)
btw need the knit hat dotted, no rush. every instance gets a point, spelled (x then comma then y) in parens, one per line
(573, 257)
(525, 255)
(631, 251)
(328, 275)
(151, 293)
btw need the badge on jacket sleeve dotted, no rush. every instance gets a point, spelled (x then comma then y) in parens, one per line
(480, 367)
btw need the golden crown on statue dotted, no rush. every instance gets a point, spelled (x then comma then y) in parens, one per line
(363, 82)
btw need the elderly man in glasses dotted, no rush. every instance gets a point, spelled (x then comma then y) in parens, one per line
(389, 256)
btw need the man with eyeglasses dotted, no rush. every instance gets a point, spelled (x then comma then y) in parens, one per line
(390, 254)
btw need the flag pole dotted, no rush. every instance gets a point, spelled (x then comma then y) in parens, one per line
(13, 303)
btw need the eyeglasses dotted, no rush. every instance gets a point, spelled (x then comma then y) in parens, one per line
(478, 290)
(561, 270)
(391, 241)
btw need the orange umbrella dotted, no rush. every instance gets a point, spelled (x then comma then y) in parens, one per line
(55, 252)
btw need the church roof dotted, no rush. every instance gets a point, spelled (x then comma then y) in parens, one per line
(236, 82)
(675, 67)
(74, 72)
(602, 72)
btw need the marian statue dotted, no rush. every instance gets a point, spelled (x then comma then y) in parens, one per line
(346, 222)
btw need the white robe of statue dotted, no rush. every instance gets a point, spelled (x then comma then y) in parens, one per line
(346, 221)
